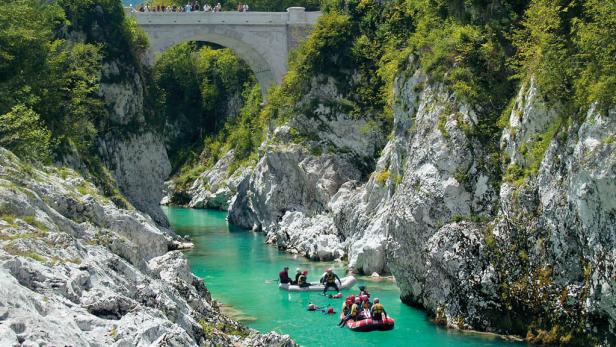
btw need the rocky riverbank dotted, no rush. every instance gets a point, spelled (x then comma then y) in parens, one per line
(77, 270)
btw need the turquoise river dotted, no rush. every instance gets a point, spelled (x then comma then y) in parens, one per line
(239, 269)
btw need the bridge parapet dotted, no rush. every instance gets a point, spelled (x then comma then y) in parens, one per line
(293, 16)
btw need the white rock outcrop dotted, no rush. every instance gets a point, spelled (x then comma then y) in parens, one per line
(214, 188)
(76, 270)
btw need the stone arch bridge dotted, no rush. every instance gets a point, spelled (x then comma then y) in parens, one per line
(262, 39)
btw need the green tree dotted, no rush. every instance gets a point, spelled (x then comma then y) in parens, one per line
(22, 132)
(596, 50)
(198, 86)
(55, 78)
(543, 47)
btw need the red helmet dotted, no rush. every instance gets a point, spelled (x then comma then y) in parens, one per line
(330, 310)
(352, 297)
(376, 300)
(348, 301)
(305, 272)
(364, 298)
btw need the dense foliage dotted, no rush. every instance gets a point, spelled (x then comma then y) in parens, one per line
(570, 47)
(197, 88)
(54, 79)
(22, 131)
(48, 71)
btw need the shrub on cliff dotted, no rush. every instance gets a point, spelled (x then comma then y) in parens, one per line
(22, 132)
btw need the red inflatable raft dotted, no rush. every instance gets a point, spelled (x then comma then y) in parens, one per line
(365, 325)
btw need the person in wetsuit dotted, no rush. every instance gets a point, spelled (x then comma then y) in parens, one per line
(284, 275)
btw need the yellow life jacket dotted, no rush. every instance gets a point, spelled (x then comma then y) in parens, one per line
(330, 278)
(354, 310)
(345, 308)
(377, 309)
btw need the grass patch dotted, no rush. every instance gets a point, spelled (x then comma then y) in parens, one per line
(31, 220)
(11, 248)
(208, 328)
(113, 333)
(229, 329)
(380, 177)
(36, 235)
(101, 239)
(489, 237)
(440, 125)
(466, 127)
(534, 153)
(397, 179)
(537, 148)
(515, 175)
(9, 218)
(608, 140)
(462, 177)
(457, 218)
(84, 188)
(58, 260)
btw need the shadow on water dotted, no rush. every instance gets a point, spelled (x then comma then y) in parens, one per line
(241, 272)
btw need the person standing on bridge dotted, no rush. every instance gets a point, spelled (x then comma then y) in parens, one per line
(218, 8)
(245, 9)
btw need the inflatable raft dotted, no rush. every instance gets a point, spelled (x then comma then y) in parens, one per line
(365, 325)
(347, 282)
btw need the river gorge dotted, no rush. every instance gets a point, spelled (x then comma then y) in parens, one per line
(241, 272)
(457, 157)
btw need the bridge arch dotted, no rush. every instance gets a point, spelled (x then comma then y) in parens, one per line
(258, 64)
(262, 39)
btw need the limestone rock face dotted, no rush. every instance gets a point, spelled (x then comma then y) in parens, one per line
(562, 219)
(315, 237)
(287, 178)
(459, 277)
(137, 157)
(76, 270)
(215, 187)
(140, 165)
(542, 255)
(442, 178)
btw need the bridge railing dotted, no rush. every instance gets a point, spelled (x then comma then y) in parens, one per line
(293, 16)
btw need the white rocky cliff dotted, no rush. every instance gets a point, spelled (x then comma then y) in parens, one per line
(304, 164)
(77, 270)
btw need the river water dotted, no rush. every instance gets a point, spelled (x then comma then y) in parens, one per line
(239, 269)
